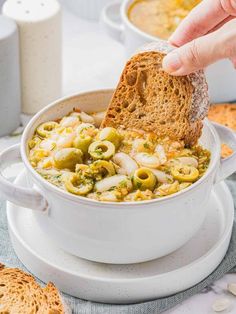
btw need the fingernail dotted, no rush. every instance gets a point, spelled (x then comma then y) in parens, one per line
(171, 63)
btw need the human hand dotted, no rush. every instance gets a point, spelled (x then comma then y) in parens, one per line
(205, 36)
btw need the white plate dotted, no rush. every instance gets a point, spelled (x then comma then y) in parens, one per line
(124, 283)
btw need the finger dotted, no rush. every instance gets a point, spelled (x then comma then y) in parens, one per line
(233, 60)
(202, 51)
(229, 18)
(199, 22)
(229, 6)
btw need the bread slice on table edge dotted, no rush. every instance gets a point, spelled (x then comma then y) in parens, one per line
(137, 103)
(20, 293)
(55, 300)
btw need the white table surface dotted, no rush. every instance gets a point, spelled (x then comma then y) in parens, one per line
(92, 60)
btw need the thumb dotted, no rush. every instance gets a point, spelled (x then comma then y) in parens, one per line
(202, 51)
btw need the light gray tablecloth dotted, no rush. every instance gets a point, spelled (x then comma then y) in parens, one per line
(8, 257)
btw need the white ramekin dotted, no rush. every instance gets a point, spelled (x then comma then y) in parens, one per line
(109, 232)
(221, 76)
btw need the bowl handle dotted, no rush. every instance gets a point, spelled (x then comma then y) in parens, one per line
(111, 21)
(227, 165)
(26, 197)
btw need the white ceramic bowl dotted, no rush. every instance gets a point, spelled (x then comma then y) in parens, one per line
(118, 233)
(221, 76)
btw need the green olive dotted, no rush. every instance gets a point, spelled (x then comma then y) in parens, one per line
(84, 171)
(46, 128)
(102, 169)
(144, 179)
(82, 143)
(67, 158)
(81, 168)
(184, 173)
(76, 185)
(101, 150)
(111, 135)
(84, 128)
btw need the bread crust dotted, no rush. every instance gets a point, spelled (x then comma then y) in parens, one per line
(21, 294)
(148, 98)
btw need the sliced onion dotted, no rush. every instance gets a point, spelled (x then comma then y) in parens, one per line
(188, 161)
(98, 118)
(147, 160)
(162, 176)
(86, 118)
(126, 163)
(112, 182)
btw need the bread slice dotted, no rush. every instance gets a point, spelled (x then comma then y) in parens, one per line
(56, 304)
(148, 98)
(21, 294)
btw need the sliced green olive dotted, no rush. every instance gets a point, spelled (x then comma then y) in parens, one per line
(83, 127)
(82, 143)
(144, 179)
(102, 169)
(81, 168)
(67, 158)
(184, 173)
(76, 185)
(46, 128)
(84, 171)
(111, 135)
(101, 150)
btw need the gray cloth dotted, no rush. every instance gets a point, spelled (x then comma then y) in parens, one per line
(8, 257)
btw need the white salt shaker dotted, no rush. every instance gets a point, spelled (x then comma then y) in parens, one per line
(39, 24)
(10, 100)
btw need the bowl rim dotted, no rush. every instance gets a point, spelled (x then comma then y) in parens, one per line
(81, 199)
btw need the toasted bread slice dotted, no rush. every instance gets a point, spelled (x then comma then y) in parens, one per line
(21, 294)
(56, 304)
(148, 98)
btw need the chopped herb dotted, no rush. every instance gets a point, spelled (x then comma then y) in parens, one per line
(123, 184)
(57, 176)
(98, 151)
(139, 184)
